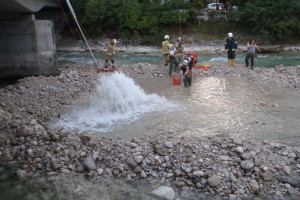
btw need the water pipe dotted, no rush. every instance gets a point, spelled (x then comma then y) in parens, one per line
(87, 44)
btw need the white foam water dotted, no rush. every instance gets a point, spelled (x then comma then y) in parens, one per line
(118, 100)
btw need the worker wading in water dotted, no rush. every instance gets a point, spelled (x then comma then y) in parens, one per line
(186, 74)
(179, 48)
(230, 47)
(111, 52)
(173, 61)
(165, 49)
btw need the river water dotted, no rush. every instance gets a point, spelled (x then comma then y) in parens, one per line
(261, 60)
(124, 108)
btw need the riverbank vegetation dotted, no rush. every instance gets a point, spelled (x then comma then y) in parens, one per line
(274, 21)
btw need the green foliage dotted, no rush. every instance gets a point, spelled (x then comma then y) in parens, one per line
(128, 18)
(277, 20)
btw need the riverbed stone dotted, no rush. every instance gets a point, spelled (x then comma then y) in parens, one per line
(247, 164)
(89, 164)
(164, 192)
(21, 174)
(214, 181)
(267, 176)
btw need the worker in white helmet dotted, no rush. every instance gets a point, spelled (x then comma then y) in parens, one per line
(173, 61)
(179, 48)
(231, 47)
(186, 73)
(111, 52)
(165, 48)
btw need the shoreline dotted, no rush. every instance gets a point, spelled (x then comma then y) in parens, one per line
(224, 166)
(209, 48)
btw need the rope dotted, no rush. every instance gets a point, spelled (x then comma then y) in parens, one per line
(67, 20)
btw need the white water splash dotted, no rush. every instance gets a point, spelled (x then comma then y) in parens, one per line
(118, 100)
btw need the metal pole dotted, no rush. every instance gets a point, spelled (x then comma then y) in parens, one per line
(87, 44)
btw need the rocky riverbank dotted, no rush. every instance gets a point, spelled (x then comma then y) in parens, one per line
(191, 44)
(220, 167)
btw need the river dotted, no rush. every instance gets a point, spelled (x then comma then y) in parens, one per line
(261, 60)
(124, 108)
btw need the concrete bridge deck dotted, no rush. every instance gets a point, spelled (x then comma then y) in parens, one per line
(30, 6)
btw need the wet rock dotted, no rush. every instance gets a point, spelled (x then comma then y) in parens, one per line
(164, 192)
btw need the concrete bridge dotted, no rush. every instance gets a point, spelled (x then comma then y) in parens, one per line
(27, 44)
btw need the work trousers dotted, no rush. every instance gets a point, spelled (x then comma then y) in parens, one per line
(251, 56)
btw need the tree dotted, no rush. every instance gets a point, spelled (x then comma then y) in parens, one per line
(274, 19)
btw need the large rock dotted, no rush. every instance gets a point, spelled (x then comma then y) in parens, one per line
(164, 192)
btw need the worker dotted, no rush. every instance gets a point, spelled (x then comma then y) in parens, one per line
(111, 52)
(179, 48)
(165, 49)
(230, 47)
(173, 61)
(186, 73)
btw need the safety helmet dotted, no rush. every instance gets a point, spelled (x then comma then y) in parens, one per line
(114, 41)
(167, 37)
(179, 39)
(230, 34)
(185, 62)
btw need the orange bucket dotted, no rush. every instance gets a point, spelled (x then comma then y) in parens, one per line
(176, 81)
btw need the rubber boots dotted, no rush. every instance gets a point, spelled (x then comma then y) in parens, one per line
(231, 62)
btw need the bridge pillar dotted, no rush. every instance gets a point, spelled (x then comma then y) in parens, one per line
(27, 48)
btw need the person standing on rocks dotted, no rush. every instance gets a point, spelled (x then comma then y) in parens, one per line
(111, 52)
(251, 47)
(230, 47)
(165, 49)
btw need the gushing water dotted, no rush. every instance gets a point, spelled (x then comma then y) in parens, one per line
(118, 100)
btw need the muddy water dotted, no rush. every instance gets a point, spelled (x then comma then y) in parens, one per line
(211, 106)
(216, 106)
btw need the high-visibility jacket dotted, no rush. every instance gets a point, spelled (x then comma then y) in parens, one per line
(165, 46)
(111, 48)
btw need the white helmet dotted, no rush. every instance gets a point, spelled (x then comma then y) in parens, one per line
(185, 62)
(114, 41)
(167, 37)
(230, 34)
(179, 38)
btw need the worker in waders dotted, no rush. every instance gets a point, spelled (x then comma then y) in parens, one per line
(173, 61)
(111, 52)
(179, 48)
(186, 73)
(230, 47)
(165, 49)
